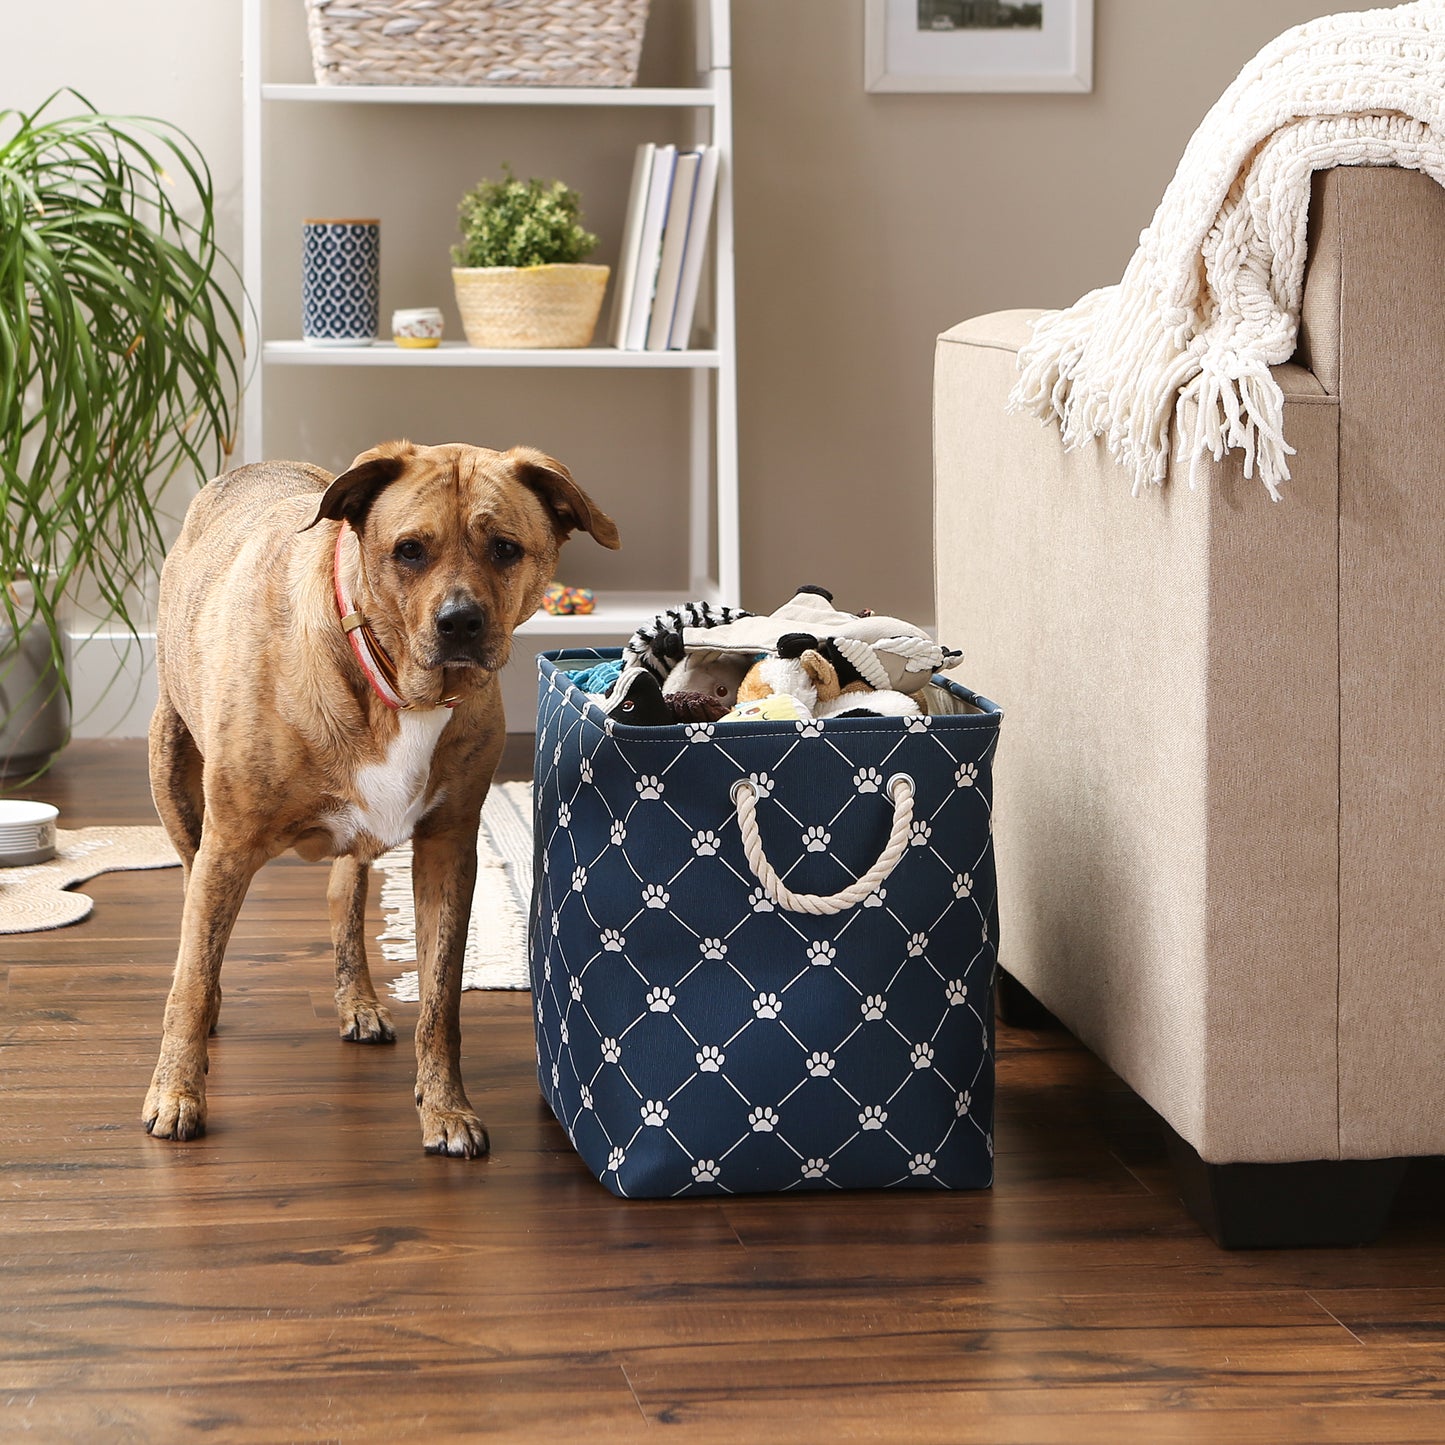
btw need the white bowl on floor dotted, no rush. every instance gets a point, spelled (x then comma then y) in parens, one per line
(27, 832)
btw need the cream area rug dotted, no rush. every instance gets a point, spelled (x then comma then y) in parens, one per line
(496, 955)
(37, 896)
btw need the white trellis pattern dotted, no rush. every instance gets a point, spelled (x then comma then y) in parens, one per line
(697, 1036)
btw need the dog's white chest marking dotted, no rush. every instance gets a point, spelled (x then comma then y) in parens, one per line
(391, 795)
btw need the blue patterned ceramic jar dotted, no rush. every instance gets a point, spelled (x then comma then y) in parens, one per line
(340, 282)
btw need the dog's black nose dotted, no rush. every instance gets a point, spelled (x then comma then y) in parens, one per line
(459, 625)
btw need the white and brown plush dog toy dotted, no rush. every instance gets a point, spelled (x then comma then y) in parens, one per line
(883, 655)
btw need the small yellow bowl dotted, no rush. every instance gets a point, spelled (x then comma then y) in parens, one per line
(417, 330)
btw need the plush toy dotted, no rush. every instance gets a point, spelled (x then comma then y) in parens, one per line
(884, 652)
(821, 680)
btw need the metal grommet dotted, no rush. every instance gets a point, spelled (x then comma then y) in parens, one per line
(738, 786)
(900, 778)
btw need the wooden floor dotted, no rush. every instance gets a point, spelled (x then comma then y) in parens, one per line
(304, 1272)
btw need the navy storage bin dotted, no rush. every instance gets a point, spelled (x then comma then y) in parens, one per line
(695, 1036)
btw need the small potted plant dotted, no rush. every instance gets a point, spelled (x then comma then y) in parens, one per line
(119, 370)
(518, 273)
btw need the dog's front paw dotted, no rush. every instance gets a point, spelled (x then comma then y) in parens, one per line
(458, 1132)
(364, 1021)
(172, 1112)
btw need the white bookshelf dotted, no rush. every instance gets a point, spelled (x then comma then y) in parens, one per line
(712, 512)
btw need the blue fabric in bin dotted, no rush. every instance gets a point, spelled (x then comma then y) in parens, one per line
(695, 1037)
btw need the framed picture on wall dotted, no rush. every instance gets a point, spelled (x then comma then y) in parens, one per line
(997, 45)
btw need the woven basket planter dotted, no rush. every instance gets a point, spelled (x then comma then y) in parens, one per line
(529, 306)
(476, 42)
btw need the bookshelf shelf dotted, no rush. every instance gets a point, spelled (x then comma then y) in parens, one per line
(657, 97)
(458, 353)
(696, 113)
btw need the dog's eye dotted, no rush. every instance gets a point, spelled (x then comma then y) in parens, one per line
(505, 550)
(409, 550)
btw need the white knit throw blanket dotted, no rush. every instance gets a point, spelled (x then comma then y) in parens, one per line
(1211, 299)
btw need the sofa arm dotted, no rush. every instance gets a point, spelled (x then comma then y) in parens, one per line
(1166, 790)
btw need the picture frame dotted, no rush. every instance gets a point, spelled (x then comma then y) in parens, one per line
(978, 45)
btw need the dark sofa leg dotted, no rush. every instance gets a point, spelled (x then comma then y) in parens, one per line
(1287, 1206)
(1017, 1007)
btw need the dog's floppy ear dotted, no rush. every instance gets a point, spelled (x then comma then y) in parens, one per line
(570, 506)
(349, 497)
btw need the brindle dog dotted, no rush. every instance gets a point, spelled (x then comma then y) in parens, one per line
(284, 724)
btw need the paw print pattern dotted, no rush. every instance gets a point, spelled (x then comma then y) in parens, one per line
(547, 969)
(649, 786)
(654, 895)
(917, 945)
(586, 770)
(963, 885)
(988, 1144)
(920, 724)
(922, 1056)
(579, 879)
(922, 1164)
(957, 991)
(563, 1033)
(821, 1065)
(814, 1168)
(821, 954)
(586, 1097)
(615, 1160)
(873, 1117)
(705, 843)
(875, 1006)
(699, 732)
(654, 1113)
(808, 727)
(868, 780)
(546, 862)
(767, 1005)
(919, 834)
(618, 834)
(612, 941)
(816, 840)
(762, 1121)
(574, 987)
(564, 815)
(660, 1000)
(966, 776)
(714, 948)
(611, 1051)
(759, 902)
(556, 1077)
(963, 1104)
(705, 1171)
(710, 1059)
(876, 899)
(762, 784)
(557, 754)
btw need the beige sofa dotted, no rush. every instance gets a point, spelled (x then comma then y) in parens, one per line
(1221, 779)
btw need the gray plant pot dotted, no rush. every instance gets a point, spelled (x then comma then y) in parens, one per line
(34, 711)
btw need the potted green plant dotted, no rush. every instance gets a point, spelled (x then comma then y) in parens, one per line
(518, 273)
(118, 371)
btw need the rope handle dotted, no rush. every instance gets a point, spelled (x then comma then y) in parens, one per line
(745, 799)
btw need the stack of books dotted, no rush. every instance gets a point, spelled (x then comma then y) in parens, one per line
(663, 243)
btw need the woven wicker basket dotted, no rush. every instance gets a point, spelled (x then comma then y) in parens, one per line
(553, 306)
(476, 42)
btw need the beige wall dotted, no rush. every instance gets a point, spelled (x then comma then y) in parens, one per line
(866, 224)
(869, 223)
